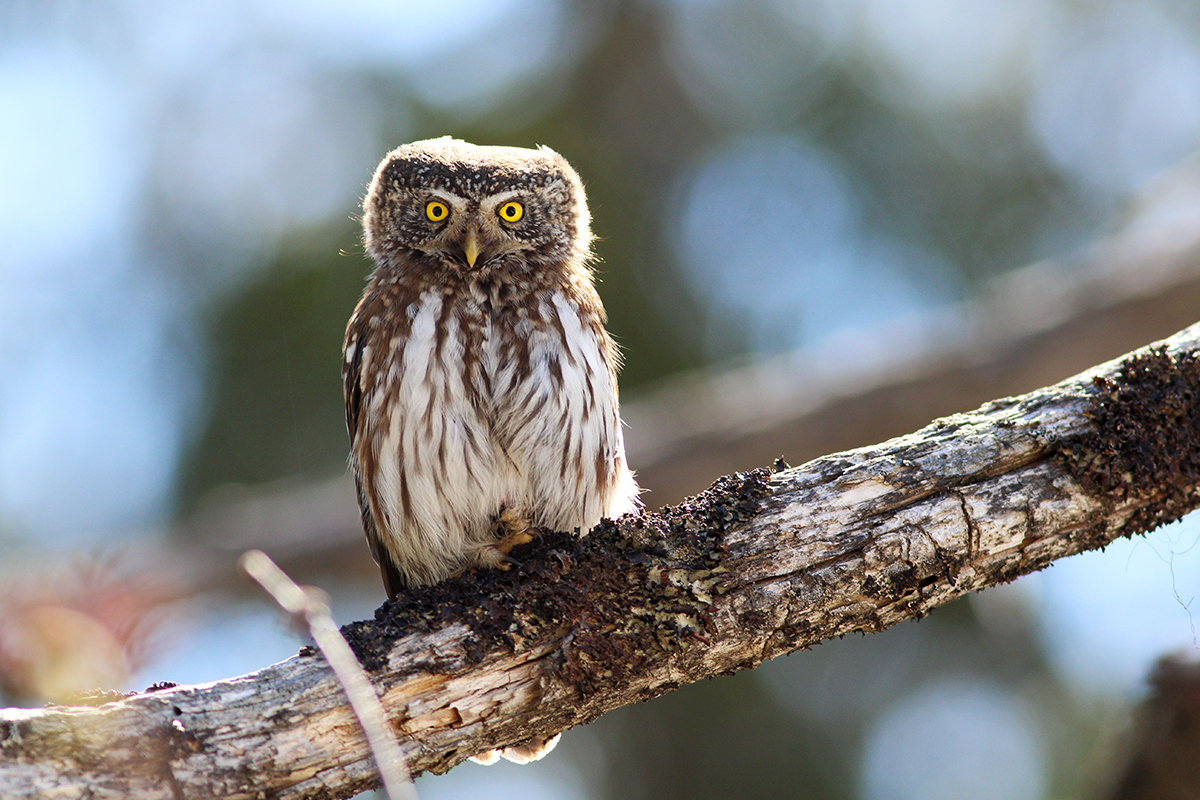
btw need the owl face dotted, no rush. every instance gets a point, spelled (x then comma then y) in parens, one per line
(448, 205)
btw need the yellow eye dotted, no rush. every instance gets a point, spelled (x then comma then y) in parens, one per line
(512, 211)
(436, 211)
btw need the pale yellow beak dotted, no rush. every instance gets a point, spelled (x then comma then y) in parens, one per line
(471, 245)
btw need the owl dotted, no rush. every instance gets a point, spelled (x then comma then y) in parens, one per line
(480, 382)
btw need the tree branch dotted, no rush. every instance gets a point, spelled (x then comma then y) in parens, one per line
(760, 564)
(1027, 328)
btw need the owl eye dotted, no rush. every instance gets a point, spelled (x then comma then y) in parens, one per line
(512, 211)
(436, 211)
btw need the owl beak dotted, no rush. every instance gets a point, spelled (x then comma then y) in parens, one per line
(470, 245)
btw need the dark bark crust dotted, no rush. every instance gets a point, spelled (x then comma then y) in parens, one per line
(1146, 441)
(619, 598)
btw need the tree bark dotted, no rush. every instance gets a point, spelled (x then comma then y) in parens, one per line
(760, 564)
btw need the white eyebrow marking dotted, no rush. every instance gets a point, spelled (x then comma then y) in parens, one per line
(490, 202)
(451, 198)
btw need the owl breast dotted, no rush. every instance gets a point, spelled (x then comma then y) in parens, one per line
(482, 409)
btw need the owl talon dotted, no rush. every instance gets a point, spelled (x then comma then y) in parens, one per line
(490, 557)
(513, 528)
(514, 539)
(521, 754)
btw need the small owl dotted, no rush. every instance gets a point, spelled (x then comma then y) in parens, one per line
(480, 382)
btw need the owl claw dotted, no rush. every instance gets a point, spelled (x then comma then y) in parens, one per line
(512, 529)
(521, 754)
(514, 539)
(515, 529)
(491, 557)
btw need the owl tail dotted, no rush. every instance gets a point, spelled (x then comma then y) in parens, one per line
(521, 754)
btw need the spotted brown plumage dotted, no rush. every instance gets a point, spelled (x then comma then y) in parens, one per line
(480, 382)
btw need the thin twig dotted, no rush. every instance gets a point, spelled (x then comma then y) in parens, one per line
(303, 603)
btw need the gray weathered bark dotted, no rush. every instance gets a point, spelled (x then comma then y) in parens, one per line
(761, 564)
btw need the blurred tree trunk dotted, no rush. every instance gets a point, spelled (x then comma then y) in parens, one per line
(1164, 757)
(758, 565)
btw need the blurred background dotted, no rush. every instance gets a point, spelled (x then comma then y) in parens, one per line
(822, 223)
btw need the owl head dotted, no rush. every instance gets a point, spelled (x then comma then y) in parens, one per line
(447, 205)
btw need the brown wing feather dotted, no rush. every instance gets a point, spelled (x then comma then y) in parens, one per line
(352, 388)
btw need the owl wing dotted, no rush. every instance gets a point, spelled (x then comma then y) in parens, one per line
(352, 388)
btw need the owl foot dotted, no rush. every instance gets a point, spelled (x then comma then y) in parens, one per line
(513, 528)
(521, 754)
(489, 556)
(486, 557)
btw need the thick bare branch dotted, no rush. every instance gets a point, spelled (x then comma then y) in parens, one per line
(1029, 328)
(760, 564)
